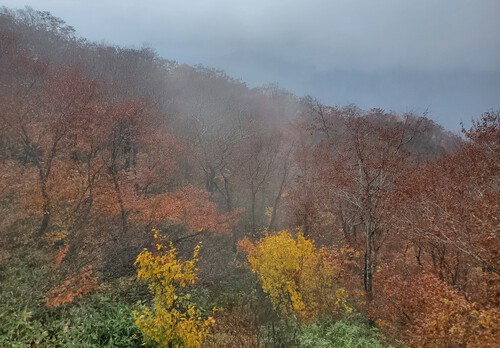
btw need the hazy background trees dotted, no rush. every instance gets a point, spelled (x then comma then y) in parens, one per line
(100, 144)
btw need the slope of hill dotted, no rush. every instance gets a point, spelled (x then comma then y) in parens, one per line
(108, 151)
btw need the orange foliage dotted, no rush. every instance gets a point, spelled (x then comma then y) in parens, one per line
(440, 283)
(188, 206)
(61, 254)
(14, 193)
(430, 313)
(75, 286)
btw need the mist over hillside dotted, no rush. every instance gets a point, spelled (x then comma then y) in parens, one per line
(413, 56)
(147, 202)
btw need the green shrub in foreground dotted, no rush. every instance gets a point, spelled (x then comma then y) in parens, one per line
(94, 321)
(88, 324)
(345, 333)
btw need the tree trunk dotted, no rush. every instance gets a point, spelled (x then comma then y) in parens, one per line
(368, 271)
(228, 194)
(123, 211)
(254, 224)
(277, 200)
(44, 224)
(209, 179)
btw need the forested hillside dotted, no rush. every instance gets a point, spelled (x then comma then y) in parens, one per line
(146, 202)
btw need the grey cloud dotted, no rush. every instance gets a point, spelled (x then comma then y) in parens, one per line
(363, 34)
(335, 49)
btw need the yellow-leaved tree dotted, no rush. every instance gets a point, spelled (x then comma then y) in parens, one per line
(299, 278)
(173, 320)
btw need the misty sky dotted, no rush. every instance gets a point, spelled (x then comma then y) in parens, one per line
(404, 55)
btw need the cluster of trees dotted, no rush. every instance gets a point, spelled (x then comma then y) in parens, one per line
(425, 223)
(101, 144)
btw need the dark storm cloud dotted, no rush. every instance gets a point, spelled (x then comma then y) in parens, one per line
(396, 54)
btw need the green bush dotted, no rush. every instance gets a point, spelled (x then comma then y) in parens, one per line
(95, 321)
(345, 333)
(20, 301)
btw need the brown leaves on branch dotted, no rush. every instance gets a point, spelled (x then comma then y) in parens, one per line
(442, 279)
(430, 313)
(189, 207)
(455, 204)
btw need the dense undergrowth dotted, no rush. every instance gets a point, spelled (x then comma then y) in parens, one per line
(102, 319)
(245, 317)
